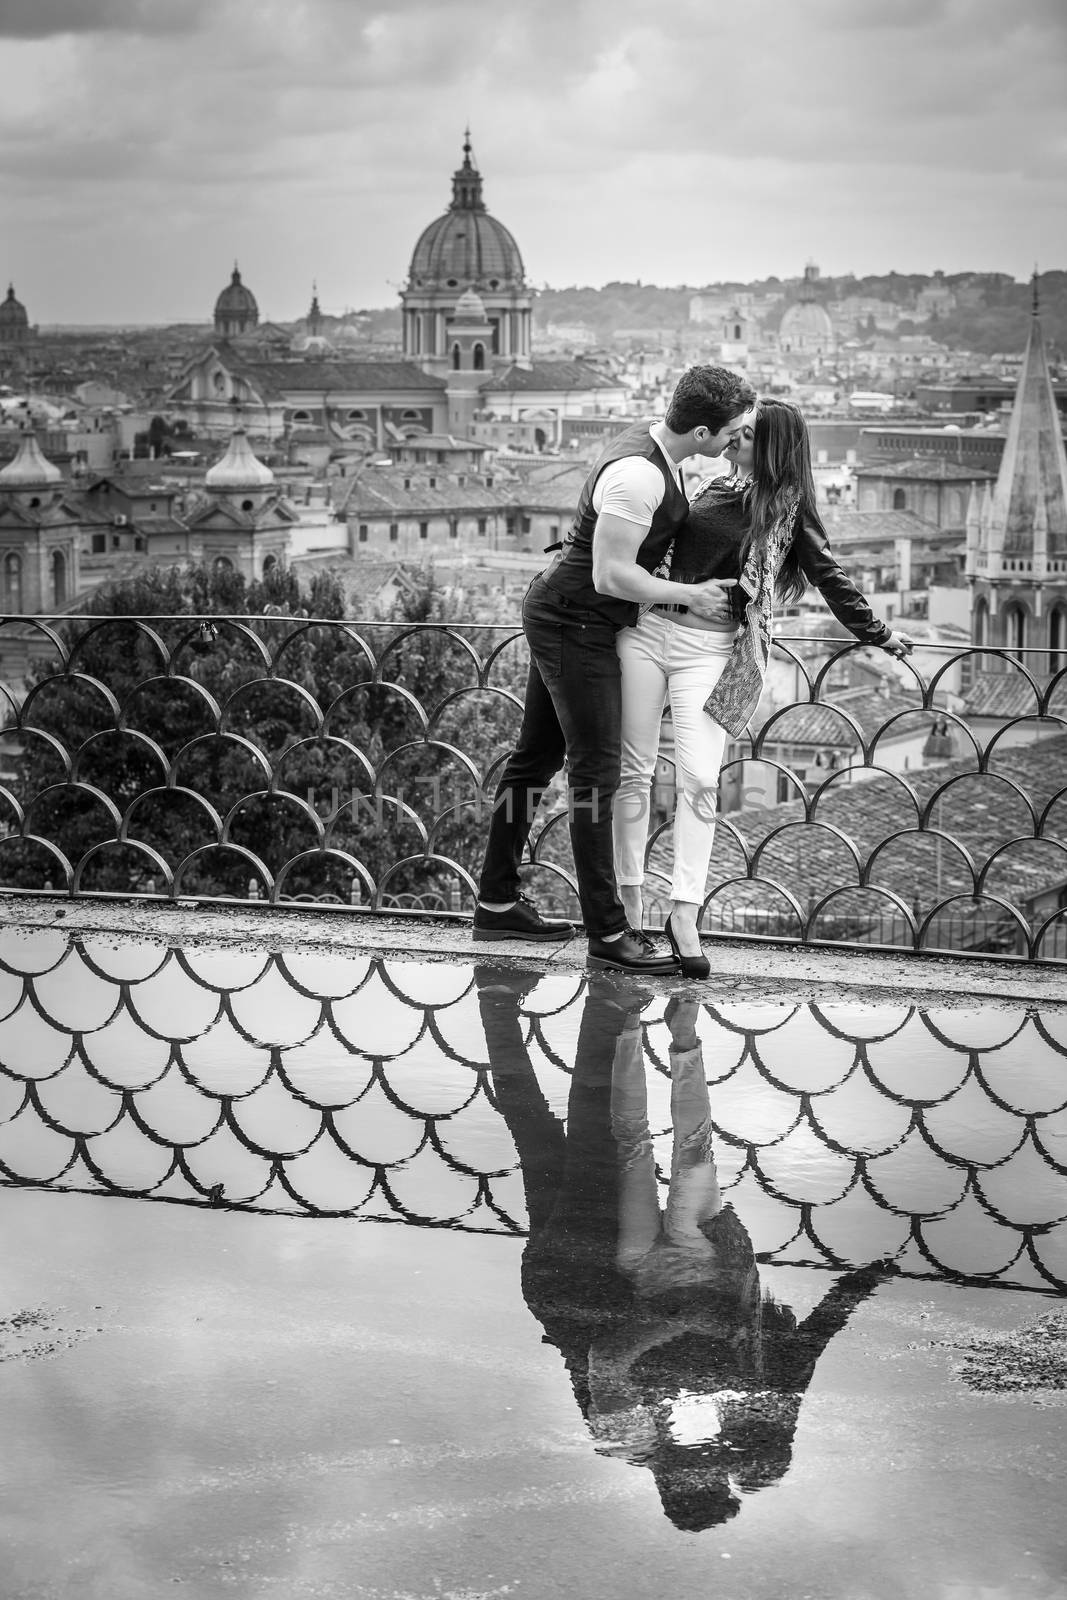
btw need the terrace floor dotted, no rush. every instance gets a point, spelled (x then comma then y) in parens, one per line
(343, 1257)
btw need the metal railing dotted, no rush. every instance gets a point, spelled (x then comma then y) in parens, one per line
(302, 761)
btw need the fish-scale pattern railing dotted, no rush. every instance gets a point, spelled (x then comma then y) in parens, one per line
(292, 760)
(339, 1086)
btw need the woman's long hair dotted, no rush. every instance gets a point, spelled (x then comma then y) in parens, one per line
(781, 474)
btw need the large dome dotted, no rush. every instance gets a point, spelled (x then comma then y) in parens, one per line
(236, 299)
(466, 248)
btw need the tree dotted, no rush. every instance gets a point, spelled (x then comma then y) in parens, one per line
(293, 747)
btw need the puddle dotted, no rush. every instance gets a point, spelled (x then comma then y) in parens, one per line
(681, 1262)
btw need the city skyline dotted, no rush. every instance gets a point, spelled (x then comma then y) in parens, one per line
(147, 144)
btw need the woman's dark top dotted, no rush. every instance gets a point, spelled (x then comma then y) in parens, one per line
(708, 545)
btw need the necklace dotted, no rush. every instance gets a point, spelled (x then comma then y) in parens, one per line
(737, 481)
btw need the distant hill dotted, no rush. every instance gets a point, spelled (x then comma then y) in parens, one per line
(997, 322)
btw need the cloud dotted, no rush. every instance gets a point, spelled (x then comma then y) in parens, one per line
(317, 139)
(43, 19)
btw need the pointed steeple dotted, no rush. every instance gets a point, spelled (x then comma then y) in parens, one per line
(313, 320)
(1030, 500)
(974, 530)
(467, 182)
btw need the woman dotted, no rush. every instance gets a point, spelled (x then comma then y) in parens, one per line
(757, 532)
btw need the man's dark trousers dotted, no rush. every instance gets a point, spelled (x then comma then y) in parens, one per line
(573, 709)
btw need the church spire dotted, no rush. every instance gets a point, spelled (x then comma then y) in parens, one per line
(1030, 500)
(467, 181)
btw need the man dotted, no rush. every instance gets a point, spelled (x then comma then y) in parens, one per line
(631, 506)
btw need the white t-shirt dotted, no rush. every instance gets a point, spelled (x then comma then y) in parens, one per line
(632, 488)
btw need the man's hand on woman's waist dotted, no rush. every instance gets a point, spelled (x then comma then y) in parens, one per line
(711, 599)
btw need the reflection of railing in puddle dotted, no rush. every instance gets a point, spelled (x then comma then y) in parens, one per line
(337, 1086)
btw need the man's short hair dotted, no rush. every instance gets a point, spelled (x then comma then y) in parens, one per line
(708, 396)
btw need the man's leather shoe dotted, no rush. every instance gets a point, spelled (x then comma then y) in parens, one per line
(520, 921)
(631, 952)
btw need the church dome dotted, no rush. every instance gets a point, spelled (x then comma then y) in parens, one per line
(13, 319)
(30, 468)
(807, 322)
(238, 468)
(235, 308)
(466, 246)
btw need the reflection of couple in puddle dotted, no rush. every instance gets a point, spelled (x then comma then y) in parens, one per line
(678, 1360)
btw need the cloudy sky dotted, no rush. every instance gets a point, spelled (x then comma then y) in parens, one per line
(147, 144)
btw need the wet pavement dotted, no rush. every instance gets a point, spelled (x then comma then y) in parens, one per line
(349, 1269)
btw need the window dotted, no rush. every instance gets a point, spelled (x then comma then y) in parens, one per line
(482, 525)
(424, 530)
(99, 544)
(479, 358)
(394, 532)
(13, 581)
(356, 416)
(525, 524)
(900, 500)
(453, 528)
(1057, 638)
(455, 358)
(363, 533)
(140, 542)
(59, 578)
(1015, 630)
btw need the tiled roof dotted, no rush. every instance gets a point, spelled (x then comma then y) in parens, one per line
(928, 468)
(376, 490)
(549, 375)
(362, 578)
(871, 707)
(327, 377)
(438, 441)
(844, 525)
(1000, 694)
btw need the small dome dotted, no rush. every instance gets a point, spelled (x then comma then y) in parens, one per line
(238, 468)
(466, 246)
(30, 469)
(470, 307)
(12, 311)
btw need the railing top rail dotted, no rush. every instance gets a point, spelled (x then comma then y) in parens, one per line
(51, 619)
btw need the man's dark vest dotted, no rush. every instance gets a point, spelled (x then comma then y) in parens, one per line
(571, 573)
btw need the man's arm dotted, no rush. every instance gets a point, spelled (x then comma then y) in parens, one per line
(616, 542)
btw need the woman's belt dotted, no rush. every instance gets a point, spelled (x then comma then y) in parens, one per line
(658, 607)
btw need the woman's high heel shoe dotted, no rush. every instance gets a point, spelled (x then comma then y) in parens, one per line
(692, 966)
